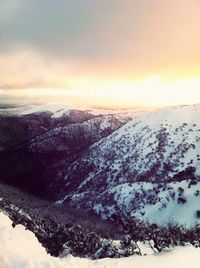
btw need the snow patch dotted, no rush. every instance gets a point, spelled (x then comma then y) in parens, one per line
(19, 248)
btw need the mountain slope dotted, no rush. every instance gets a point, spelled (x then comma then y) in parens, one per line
(34, 139)
(150, 162)
(146, 167)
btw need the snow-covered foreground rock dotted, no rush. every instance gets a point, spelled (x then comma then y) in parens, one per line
(19, 248)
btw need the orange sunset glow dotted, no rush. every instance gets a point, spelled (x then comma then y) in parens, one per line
(104, 53)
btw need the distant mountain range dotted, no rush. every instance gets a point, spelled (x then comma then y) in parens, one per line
(139, 163)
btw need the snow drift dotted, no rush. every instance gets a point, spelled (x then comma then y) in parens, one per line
(19, 248)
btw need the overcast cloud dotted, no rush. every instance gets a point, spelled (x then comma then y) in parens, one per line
(55, 43)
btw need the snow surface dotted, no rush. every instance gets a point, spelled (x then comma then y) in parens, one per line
(132, 162)
(19, 248)
(58, 110)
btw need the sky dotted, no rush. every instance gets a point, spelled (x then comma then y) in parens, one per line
(113, 53)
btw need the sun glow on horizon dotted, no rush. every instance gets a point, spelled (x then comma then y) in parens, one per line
(100, 53)
(153, 91)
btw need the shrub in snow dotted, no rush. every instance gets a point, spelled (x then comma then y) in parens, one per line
(197, 193)
(77, 240)
(198, 214)
(162, 237)
(181, 200)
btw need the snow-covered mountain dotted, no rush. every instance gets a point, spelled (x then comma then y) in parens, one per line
(143, 164)
(32, 139)
(149, 168)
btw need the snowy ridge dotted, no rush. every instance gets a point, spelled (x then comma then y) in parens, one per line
(59, 138)
(33, 142)
(58, 110)
(146, 167)
(161, 148)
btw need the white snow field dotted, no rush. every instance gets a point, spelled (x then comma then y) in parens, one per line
(59, 109)
(19, 248)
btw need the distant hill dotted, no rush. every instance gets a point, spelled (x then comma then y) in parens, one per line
(143, 164)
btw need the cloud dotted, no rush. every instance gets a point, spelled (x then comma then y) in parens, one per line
(39, 83)
(92, 29)
(85, 38)
(28, 69)
(65, 27)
